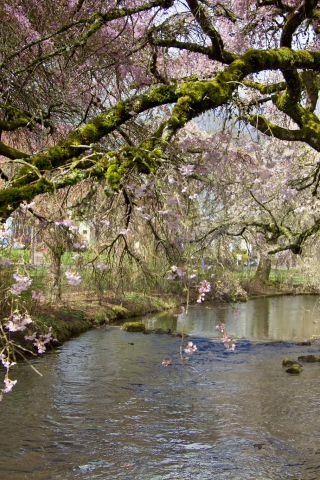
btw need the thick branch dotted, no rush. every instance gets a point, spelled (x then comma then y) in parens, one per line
(295, 19)
(10, 152)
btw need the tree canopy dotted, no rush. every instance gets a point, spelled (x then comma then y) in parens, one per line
(84, 76)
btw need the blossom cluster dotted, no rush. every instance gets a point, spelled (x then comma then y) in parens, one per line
(36, 294)
(17, 323)
(227, 342)
(205, 287)
(102, 266)
(42, 340)
(81, 244)
(67, 223)
(73, 278)
(9, 384)
(191, 348)
(23, 283)
(5, 262)
(6, 361)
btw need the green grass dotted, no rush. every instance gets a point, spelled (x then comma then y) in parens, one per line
(280, 275)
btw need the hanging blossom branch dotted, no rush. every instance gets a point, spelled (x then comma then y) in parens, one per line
(227, 342)
(205, 287)
(17, 322)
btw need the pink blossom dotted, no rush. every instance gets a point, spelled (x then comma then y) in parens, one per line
(9, 384)
(102, 266)
(166, 362)
(40, 346)
(73, 278)
(205, 287)
(81, 244)
(191, 348)
(193, 275)
(187, 170)
(180, 272)
(146, 216)
(201, 298)
(220, 327)
(105, 222)
(17, 323)
(23, 283)
(31, 337)
(5, 262)
(6, 361)
(36, 294)
(123, 231)
(42, 340)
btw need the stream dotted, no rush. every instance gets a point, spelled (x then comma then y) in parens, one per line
(106, 407)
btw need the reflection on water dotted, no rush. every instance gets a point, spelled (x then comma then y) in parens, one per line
(107, 409)
(275, 318)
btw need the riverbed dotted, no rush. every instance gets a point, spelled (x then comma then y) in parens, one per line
(107, 408)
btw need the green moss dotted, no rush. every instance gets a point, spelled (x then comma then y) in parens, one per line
(289, 363)
(99, 318)
(89, 133)
(133, 327)
(294, 369)
(119, 310)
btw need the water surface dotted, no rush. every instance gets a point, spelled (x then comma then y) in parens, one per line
(106, 407)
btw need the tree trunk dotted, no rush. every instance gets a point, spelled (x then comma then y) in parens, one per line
(55, 260)
(263, 269)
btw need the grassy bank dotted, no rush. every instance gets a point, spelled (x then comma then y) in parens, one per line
(77, 316)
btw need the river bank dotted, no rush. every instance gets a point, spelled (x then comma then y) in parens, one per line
(77, 315)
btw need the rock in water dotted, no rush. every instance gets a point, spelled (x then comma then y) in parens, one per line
(309, 358)
(133, 327)
(294, 370)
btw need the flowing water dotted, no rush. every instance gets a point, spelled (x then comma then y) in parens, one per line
(106, 407)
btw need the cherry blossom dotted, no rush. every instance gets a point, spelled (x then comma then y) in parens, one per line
(36, 294)
(146, 216)
(31, 337)
(23, 283)
(205, 287)
(5, 262)
(187, 170)
(191, 348)
(17, 323)
(6, 361)
(102, 266)
(73, 278)
(9, 384)
(26, 205)
(80, 245)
